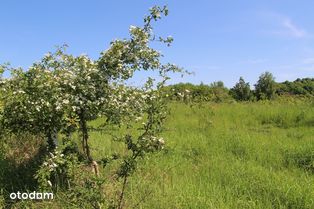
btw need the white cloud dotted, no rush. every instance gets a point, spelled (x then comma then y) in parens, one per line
(283, 25)
(292, 29)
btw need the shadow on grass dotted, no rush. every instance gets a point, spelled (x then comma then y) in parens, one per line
(18, 166)
(303, 159)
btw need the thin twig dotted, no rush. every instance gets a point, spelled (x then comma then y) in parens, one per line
(120, 205)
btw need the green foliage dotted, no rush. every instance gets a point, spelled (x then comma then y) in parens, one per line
(303, 86)
(265, 86)
(61, 93)
(241, 91)
(56, 170)
(30, 100)
(62, 171)
(181, 91)
(215, 92)
(219, 91)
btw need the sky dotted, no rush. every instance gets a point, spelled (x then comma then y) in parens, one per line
(217, 40)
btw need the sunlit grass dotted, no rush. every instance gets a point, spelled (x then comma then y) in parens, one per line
(228, 156)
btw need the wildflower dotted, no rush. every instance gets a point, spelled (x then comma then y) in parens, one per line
(65, 101)
(161, 141)
(138, 118)
(58, 107)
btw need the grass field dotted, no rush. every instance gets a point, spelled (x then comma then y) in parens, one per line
(235, 155)
(251, 155)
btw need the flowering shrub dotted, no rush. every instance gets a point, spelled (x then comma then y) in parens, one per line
(62, 92)
(55, 170)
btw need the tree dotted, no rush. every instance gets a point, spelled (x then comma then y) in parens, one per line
(265, 86)
(219, 91)
(62, 93)
(30, 101)
(304, 86)
(241, 91)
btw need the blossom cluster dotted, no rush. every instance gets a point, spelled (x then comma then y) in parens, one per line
(55, 159)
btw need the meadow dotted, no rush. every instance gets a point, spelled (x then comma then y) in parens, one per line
(96, 132)
(223, 155)
(237, 155)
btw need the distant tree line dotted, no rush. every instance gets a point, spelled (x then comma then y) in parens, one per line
(266, 88)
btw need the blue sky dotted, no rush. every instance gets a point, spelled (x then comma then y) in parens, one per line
(218, 40)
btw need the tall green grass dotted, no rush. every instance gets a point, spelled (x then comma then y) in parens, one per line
(240, 155)
(236, 155)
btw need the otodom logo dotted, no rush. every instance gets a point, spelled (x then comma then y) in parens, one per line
(31, 196)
